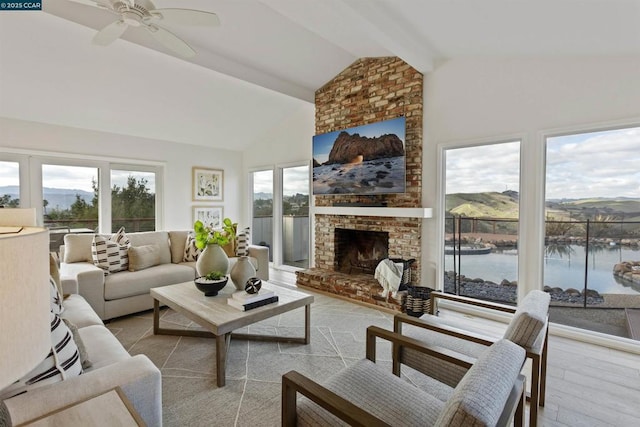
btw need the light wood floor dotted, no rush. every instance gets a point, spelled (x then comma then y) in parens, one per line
(587, 384)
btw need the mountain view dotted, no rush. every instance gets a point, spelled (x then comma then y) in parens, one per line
(505, 205)
(57, 198)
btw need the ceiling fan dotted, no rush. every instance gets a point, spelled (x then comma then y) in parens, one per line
(143, 14)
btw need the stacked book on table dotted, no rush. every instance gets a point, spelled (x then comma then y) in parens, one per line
(244, 301)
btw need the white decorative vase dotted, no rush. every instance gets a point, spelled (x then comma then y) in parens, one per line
(211, 259)
(241, 271)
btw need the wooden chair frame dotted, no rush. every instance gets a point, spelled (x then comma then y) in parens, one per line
(538, 360)
(294, 383)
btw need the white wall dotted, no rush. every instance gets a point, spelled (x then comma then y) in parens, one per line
(178, 159)
(287, 142)
(472, 100)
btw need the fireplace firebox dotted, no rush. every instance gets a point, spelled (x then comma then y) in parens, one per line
(359, 251)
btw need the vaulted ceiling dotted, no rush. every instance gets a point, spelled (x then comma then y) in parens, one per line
(267, 58)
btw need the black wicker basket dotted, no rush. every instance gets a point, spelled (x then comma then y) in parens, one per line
(406, 271)
(418, 301)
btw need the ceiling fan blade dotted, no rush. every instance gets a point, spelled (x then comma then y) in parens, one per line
(187, 17)
(110, 33)
(105, 4)
(171, 41)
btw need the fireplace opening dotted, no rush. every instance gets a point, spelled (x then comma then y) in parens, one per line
(359, 251)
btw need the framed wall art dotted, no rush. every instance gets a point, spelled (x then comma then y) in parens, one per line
(211, 216)
(207, 185)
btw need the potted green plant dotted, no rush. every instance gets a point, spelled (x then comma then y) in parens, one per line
(211, 240)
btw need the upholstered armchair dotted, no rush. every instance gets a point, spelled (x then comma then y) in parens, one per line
(366, 394)
(528, 328)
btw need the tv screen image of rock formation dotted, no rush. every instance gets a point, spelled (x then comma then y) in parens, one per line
(368, 159)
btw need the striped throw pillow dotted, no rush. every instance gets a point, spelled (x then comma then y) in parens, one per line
(243, 240)
(109, 255)
(56, 298)
(62, 362)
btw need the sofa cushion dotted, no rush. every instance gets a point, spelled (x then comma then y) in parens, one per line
(142, 257)
(62, 362)
(128, 283)
(79, 312)
(109, 255)
(177, 240)
(160, 238)
(102, 345)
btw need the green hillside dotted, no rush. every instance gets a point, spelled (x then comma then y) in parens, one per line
(505, 205)
(483, 205)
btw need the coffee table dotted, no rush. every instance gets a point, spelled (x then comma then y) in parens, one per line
(220, 319)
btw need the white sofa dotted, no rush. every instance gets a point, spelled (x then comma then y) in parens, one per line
(112, 366)
(126, 292)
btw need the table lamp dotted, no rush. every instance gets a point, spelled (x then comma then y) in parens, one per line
(25, 330)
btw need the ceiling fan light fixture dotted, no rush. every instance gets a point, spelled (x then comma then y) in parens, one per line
(132, 18)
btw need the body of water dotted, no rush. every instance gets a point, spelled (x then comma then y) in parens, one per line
(564, 267)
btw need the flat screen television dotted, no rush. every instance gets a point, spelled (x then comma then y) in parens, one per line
(367, 159)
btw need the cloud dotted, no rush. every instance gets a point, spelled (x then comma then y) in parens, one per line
(483, 168)
(595, 164)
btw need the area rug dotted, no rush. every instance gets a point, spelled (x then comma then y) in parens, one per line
(251, 396)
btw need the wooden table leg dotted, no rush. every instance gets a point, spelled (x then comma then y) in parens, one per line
(222, 342)
(307, 323)
(156, 316)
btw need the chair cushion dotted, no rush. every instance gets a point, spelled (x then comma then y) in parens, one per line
(441, 370)
(481, 395)
(529, 319)
(377, 391)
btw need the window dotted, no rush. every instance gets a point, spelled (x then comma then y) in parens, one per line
(295, 216)
(262, 209)
(9, 184)
(592, 212)
(133, 200)
(70, 196)
(482, 185)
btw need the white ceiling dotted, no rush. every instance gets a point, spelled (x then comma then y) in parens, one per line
(268, 57)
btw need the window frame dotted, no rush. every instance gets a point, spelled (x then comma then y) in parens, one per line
(31, 186)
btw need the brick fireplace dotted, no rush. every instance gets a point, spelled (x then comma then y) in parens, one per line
(368, 91)
(330, 275)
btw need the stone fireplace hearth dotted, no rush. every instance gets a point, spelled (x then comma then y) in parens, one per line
(403, 238)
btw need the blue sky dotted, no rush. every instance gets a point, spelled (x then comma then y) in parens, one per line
(322, 143)
(596, 164)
